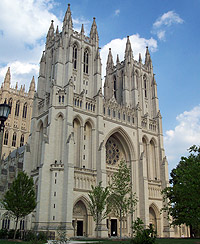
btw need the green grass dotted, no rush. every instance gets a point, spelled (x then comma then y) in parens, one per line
(13, 242)
(158, 241)
(178, 241)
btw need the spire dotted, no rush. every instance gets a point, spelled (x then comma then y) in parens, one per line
(110, 63)
(117, 61)
(93, 31)
(7, 77)
(82, 29)
(32, 85)
(57, 31)
(128, 51)
(148, 57)
(140, 58)
(50, 34)
(68, 18)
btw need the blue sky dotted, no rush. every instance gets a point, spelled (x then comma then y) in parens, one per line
(169, 28)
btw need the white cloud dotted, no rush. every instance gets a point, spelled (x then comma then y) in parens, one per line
(164, 22)
(184, 135)
(20, 73)
(117, 46)
(77, 23)
(117, 12)
(23, 27)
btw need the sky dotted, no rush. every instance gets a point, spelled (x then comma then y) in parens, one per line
(169, 28)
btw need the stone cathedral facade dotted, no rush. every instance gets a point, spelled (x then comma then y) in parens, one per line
(80, 133)
(17, 126)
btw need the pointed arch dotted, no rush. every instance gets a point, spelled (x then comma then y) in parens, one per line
(80, 217)
(87, 145)
(10, 102)
(154, 140)
(40, 132)
(17, 107)
(115, 86)
(125, 139)
(24, 114)
(79, 118)
(59, 137)
(145, 85)
(75, 55)
(153, 161)
(154, 218)
(22, 140)
(84, 199)
(77, 140)
(60, 114)
(145, 143)
(91, 122)
(6, 134)
(86, 61)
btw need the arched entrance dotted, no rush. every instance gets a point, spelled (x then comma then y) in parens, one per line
(80, 219)
(152, 218)
(118, 147)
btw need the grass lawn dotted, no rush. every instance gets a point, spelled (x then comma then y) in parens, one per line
(158, 241)
(178, 241)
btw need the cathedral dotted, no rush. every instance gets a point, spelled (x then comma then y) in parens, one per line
(17, 126)
(81, 131)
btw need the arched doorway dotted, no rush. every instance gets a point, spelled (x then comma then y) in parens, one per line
(80, 219)
(118, 148)
(152, 218)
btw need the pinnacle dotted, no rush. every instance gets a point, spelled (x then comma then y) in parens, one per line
(82, 29)
(7, 76)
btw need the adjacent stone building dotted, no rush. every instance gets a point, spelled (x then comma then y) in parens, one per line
(17, 126)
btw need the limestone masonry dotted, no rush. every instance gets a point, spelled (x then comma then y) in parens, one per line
(80, 133)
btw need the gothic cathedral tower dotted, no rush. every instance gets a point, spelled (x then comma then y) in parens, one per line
(80, 134)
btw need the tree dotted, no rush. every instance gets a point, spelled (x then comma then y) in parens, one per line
(97, 205)
(122, 200)
(182, 198)
(20, 199)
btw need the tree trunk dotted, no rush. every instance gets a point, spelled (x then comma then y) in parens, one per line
(120, 221)
(16, 228)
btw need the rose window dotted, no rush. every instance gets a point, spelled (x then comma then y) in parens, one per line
(112, 152)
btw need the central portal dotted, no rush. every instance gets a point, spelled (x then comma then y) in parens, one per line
(80, 220)
(113, 227)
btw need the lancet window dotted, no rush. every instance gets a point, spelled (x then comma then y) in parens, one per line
(74, 60)
(85, 61)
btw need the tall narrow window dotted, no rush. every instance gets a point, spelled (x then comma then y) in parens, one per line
(22, 140)
(17, 108)
(14, 140)
(10, 104)
(6, 138)
(85, 61)
(115, 86)
(145, 87)
(74, 58)
(24, 111)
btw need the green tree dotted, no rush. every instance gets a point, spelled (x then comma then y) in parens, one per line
(98, 202)
(20, 199)
(122, 200)
(182, 198)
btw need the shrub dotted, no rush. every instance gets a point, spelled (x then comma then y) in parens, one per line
(11, 234)
(3, 233)
(146, 236)
(143, 236)
(30, 235)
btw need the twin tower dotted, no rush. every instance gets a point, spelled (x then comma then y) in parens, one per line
(79, 134)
